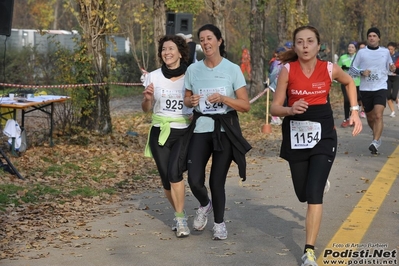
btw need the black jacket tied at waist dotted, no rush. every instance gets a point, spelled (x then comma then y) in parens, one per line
(231, 126)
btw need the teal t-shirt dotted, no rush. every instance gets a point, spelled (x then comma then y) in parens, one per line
(225, 79)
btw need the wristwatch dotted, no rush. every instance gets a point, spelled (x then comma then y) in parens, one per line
(361, 72)
(354, 108)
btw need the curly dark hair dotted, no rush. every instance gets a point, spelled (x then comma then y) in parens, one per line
(181, 46)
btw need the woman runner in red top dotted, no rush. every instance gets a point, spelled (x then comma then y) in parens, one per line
(309, 137)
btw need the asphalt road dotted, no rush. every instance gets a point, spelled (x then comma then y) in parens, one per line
(264, 219)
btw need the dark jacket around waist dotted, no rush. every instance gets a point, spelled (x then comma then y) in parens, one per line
(232, 128)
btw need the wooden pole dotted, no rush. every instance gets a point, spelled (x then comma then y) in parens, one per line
(266, 127)
(267, 106)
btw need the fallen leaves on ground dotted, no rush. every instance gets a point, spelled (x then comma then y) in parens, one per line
(81, 176)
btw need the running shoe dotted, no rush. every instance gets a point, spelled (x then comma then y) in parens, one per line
(392, 114)
(362, 114)
(327, 187)
(345, 123)
(309, 259)
(182, 227)
(276, 120)
(374, 146)
(174, 225)
(201, 217)
(219, 231)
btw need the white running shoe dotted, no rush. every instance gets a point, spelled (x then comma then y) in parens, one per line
(327, 187)
(362, 114)
(392, 114)
(374, 146)
(201, 217)
(182, 227)
(174, 225)
(309, 259)
(219, 231)
(276, 121)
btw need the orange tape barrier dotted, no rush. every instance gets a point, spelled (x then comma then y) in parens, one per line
(258, 96)
(67, 86)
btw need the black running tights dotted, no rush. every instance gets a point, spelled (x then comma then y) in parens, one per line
(310, 177)
(200, 150)
(166, 157)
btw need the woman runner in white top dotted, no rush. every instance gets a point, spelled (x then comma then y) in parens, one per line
(163, 95)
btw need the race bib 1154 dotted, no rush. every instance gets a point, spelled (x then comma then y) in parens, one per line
(304, 134)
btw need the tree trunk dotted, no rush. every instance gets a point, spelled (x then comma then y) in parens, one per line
(138, 34)
(216, 10)
(56, 15)
(257, 46)
(282, 23)
(97, 116)
(159, 24)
